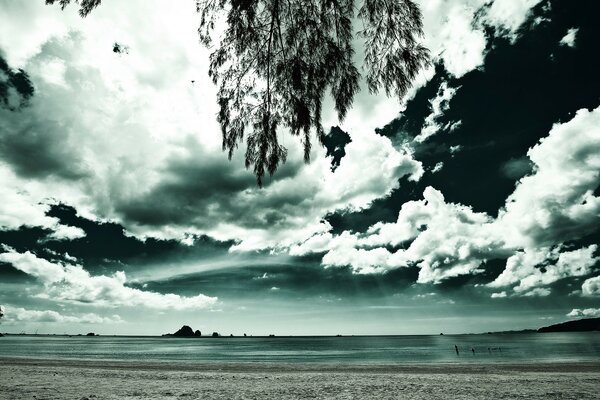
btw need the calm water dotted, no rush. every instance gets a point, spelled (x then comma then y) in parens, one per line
(529, 347)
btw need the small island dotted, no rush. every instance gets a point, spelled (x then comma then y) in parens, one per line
(185, 331)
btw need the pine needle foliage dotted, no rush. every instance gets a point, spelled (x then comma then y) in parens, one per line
(276, 60)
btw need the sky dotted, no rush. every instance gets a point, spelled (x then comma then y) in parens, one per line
(472, 205)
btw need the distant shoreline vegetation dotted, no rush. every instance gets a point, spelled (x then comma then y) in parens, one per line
(580, 325)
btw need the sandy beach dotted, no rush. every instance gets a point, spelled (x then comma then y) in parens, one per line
(76, 380)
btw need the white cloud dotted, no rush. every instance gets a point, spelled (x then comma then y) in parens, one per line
(439, 104)
(537, 292)
(463, 45)
(63, 232)
(509, 15)
(454, 33)
(586, 312)
(553, 205)
(71, 283)
(362, 261)
(447, 240)
(20, 206)
(524, 268)
(18, 314)
(591, 287)
(569, 38)
(556, 203)
(499, 295)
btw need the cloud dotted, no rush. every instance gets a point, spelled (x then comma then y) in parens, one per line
(20, 206)
(552, 205)
(556, 203)
(569, 39)
(464, 45)
(18, 314)
(591, 287)
(446, 240)
(439, 104)
(534, 269)
(71, 283)
(117, 137)
(454, 31)
(586, 312)
(509, 15)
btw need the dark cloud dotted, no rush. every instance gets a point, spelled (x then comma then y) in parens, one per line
(106, 246)
(35, 144)
(36, 150)
(15, 86)
(201, 190)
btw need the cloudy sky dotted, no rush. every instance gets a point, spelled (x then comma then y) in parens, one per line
(473, 205)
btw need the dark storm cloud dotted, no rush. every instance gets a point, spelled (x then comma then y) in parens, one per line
(34, 144)
(15, 86)
(106, 245)
(35, 149)
(202, 190)
(504, 109)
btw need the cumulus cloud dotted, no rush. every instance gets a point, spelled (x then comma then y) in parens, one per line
(464, 45)
(509, 15)
(569, 39)
(72, 283)
(18, 314)
(454, 31)
(586, 312)
(591, 287)
(552, 205)
(556, 203)
(446, 240)
(532, 269)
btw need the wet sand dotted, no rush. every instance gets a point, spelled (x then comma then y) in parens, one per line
(76, 380)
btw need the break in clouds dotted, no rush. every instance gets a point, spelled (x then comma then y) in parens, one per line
(114, 185)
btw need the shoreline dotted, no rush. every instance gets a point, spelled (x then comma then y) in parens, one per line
(317, 367)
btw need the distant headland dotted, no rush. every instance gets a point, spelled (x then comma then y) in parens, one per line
(580, 325)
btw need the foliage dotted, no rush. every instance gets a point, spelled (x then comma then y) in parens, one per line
(276, 59)
(85, 6)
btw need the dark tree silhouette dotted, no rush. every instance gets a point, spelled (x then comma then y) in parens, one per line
(277, 58)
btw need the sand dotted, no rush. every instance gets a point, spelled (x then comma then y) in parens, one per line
(98, 380)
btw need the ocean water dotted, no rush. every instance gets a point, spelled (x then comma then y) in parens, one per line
(519, 348)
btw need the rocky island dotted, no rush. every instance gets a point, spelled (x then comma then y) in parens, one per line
(185, 331)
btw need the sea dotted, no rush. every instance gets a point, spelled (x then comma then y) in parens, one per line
(423, 349)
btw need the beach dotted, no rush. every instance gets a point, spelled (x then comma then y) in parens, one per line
(25, 378)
